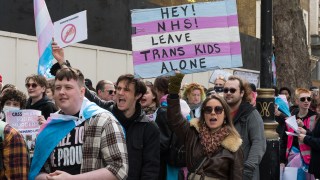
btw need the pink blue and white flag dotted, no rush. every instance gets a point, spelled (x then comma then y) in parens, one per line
(189, 38)
(274, 70)
(45, 32)
(55, 129)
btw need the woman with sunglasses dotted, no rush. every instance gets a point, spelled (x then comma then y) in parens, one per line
(212, 143)
(36, 86)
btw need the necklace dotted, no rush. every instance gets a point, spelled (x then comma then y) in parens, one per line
(302, 115)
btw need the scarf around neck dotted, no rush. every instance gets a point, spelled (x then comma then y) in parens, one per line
(211, 141)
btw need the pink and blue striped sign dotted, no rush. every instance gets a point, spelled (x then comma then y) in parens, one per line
(45, 32)
(189, 38)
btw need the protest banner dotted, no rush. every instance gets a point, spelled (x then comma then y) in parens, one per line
(71, 29)
(26, 122)
(189, 38)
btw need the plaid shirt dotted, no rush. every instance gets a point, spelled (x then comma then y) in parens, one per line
(104, 146)
(15, 155)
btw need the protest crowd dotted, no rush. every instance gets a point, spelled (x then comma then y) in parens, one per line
(135, 129)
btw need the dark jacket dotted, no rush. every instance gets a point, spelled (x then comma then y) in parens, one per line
(250, 126)
(45, 105)
(312, 139)
(227, 163)
(142, 138)
(165, 136)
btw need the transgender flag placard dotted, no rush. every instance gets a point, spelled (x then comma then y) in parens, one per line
(189, 38)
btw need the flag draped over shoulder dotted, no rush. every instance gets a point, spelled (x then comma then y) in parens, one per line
(55, 129)
(45, 32)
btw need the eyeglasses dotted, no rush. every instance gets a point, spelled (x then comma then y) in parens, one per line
(209, 109)
(232, 90)
(303, 99)
(111, 92)
(33, 85)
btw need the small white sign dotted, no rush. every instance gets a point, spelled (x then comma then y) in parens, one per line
(251, 77)
(71, 29)
(217, 73)
(292, 122)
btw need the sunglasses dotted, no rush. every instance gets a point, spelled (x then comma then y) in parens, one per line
(303, 99)
(33, 85)
(111, 92)
(232, 90)
(209, 109)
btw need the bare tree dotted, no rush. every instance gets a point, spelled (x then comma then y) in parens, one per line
(292, 58)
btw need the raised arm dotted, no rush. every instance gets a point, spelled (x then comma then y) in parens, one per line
(176, 122)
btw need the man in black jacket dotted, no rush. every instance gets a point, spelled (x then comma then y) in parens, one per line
(142, 135)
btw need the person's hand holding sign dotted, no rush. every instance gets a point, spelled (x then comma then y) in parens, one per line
(58, 53)
(300, 123)
(41, 120)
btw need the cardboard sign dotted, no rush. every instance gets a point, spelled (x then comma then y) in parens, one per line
(217, 73)
(190, 38)
(26, 122)
(249, 76)
(71, 29)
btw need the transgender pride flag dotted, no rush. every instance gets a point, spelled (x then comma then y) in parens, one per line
(44, 31)
(189, 38)
(56, 128)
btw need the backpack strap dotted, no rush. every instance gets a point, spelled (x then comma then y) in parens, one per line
(2, 126)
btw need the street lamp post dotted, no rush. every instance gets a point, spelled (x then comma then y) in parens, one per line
(269, 166)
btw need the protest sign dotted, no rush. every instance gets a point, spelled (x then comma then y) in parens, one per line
(249, 76)
(219, 73)
(292, 122)
(71, 29)
(26, 122)
(189, 38)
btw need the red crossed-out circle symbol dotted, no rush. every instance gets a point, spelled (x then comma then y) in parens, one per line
(68, 33)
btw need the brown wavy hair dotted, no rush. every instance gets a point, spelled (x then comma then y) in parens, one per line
(227, 112)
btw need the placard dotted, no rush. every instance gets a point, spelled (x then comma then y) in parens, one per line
(251, 77)
(26, 122)
(190, 38)
(71, 29)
